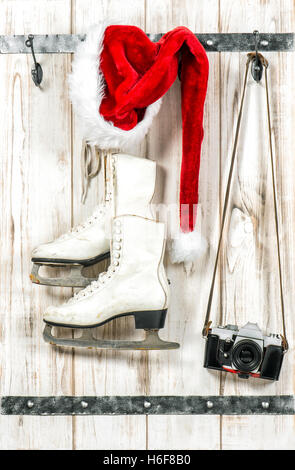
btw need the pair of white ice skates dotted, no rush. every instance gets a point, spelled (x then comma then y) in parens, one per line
(135, 283)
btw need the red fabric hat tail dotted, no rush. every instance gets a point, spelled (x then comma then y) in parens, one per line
(188, 245)
(194, 76)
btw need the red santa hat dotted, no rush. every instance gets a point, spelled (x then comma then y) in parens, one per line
(118, 79)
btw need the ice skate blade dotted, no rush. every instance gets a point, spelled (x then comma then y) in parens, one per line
(75, 278)
(152, 341)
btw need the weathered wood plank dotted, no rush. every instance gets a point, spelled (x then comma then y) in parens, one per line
(106, 372)
(35, 194)
(181, 372)
(35, 205)
(250, 289)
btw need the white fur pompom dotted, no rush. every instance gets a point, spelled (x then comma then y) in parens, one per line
(187, 247)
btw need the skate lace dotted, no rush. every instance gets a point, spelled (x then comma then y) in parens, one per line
(108, 199)
(97, 215)
(116, 248)
(91, 162)
(95, 285)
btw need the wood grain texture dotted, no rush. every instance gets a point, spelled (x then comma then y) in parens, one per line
(250, 288)
(106, 372)
(40, 189)
(181, 372)
(35, 206)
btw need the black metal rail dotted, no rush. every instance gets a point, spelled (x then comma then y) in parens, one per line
(213, 42)
(148, 405)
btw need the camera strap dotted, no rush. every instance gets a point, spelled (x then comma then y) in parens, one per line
(251, 58)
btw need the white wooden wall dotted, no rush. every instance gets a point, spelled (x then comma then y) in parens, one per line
(40, 199)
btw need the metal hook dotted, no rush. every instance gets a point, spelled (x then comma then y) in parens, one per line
(256, 67)
(37, 72)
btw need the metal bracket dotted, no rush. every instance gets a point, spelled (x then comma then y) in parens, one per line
(212, 42)
(257, 66)
(37, 72)
(148, 405)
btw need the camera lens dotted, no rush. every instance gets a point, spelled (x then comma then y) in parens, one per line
(246, 355)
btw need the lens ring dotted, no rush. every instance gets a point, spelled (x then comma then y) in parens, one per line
(252, 355)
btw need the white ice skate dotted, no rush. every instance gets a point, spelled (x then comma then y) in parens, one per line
(129, 188)
(135, 284)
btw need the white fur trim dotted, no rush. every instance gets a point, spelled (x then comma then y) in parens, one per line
(86, 84)
(187, 247)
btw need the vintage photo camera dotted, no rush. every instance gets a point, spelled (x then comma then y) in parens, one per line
(245, 351)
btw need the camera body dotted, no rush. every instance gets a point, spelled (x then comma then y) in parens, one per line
(245, 351)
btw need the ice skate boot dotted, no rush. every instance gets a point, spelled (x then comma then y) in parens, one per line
(135, 284)
(129, 188)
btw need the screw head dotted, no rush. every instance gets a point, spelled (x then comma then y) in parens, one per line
(84, 404)
(147, 404)
(210, 42)
(209, 404)
(265, 405)
(30, 404)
